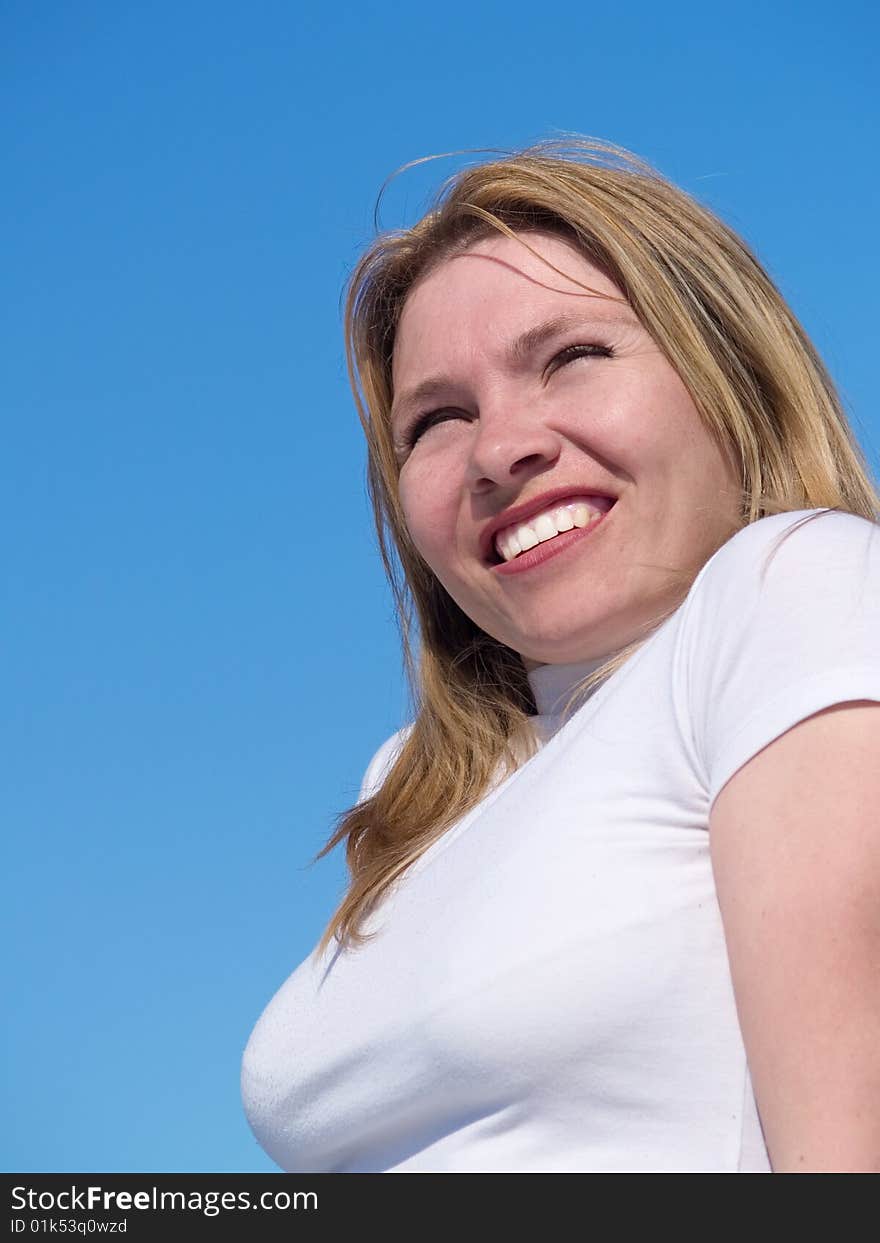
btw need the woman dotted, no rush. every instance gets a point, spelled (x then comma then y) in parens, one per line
(614, 892)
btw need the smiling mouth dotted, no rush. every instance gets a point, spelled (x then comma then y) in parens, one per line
(576, 513)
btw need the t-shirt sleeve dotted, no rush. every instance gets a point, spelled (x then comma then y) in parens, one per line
(782, 622)
(380, 765)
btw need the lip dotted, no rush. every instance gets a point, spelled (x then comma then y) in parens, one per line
(550, 548)
(520, 513)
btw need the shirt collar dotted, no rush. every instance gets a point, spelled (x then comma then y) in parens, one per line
(553, 684)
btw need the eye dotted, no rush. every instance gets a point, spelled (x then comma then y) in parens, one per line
(429, 419)
(581, 351)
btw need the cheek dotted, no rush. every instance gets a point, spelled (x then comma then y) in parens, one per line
(664, 433)
(429, 512)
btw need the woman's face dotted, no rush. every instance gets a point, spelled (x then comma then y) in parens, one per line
(523, 407)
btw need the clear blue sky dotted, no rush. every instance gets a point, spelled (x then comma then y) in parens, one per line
(199, 653)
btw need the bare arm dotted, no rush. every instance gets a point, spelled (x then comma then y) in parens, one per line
(795, 842)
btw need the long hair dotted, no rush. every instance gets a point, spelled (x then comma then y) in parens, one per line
(756, 380)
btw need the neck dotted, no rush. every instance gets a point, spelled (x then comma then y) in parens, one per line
(552, 685)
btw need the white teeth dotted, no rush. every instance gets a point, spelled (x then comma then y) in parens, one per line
(544, 526)
(510, 546)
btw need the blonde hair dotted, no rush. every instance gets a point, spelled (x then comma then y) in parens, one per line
(756, 381)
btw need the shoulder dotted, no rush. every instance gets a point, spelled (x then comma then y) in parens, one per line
(796, 551)
(808, 535)
(380, 765)
(781, 623)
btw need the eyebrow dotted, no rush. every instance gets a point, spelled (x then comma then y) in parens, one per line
(516, 352)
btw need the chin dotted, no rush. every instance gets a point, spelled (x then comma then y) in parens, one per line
(567, 651)
(565, 644)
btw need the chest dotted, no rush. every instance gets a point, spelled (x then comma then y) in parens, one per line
(558, 947)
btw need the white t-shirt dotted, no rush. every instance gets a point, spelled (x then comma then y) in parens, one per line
(549, 988)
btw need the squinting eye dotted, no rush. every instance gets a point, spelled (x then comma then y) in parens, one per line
(429, 419)
(583, 351)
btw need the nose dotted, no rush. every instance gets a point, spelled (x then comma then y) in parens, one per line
(510, 446)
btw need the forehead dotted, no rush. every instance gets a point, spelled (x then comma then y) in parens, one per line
(486, 295)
